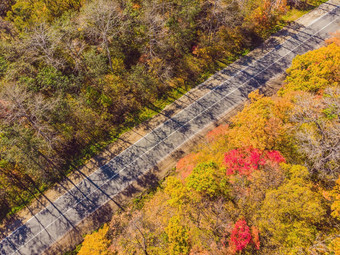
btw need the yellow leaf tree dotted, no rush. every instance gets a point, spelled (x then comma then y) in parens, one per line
(96, 243)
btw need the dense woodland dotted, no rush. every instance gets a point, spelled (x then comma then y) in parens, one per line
(75, 74)
(267, 183)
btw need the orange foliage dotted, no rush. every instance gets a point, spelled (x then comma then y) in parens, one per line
(256, 239)
(334, 246)
(136, 6)
(198, 251)
(218, 132)
(335, 39)
(265, 16)
(186, 164)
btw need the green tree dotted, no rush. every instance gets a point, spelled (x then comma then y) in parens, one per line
(207, 179)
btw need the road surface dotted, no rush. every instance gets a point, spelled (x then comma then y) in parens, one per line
(53, 222)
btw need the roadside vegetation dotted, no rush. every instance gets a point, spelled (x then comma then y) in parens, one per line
(75, 74)
(267, 183)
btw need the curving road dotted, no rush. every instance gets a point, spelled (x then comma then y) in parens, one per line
(50, 224)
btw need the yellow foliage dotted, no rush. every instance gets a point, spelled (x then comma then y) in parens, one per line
(335, 246)
(178, 237)
(26, 13)
(261, 124)
(314, 71)
(291, 212)
(177, 191)
(96, 243)
(335, 196)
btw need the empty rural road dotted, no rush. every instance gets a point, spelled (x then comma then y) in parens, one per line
(50, 224)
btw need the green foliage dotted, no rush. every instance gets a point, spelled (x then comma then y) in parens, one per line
(96, 62)
(206, 179)
(3, 66)
(50, 80)
(142, 85)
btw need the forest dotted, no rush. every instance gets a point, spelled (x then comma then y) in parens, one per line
(265, 183)
(76, 74)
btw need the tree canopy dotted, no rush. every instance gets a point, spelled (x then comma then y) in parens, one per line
(276, 192)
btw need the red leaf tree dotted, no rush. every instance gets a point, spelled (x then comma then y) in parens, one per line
(243, 237)
(245, 160)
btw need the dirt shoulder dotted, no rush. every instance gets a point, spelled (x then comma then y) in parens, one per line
(138, 132)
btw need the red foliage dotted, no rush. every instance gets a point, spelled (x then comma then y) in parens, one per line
(240, 236)
(244, 161)
(274, 157)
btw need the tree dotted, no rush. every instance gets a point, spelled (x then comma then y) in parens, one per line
(266, 15)
(5, 6)
(314, 70)
(317, 131)
(96, 243)
(27, 13)
(242, 237)
(43, 43)
(134, 233)
(103, 21)
(28, 133)
(6, 28)
(22, 107)
(267, 130)
(186, 164)
(177, 192)
(14, 186)
(207, 179)
(246, 160)
(291, 214)
(219, 15)
(142, 85)
(334, 195)
(177, 236)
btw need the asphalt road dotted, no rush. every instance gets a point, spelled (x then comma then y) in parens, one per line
(50, 224)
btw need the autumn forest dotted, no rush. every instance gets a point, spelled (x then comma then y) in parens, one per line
(267, 183)
(76, 74)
